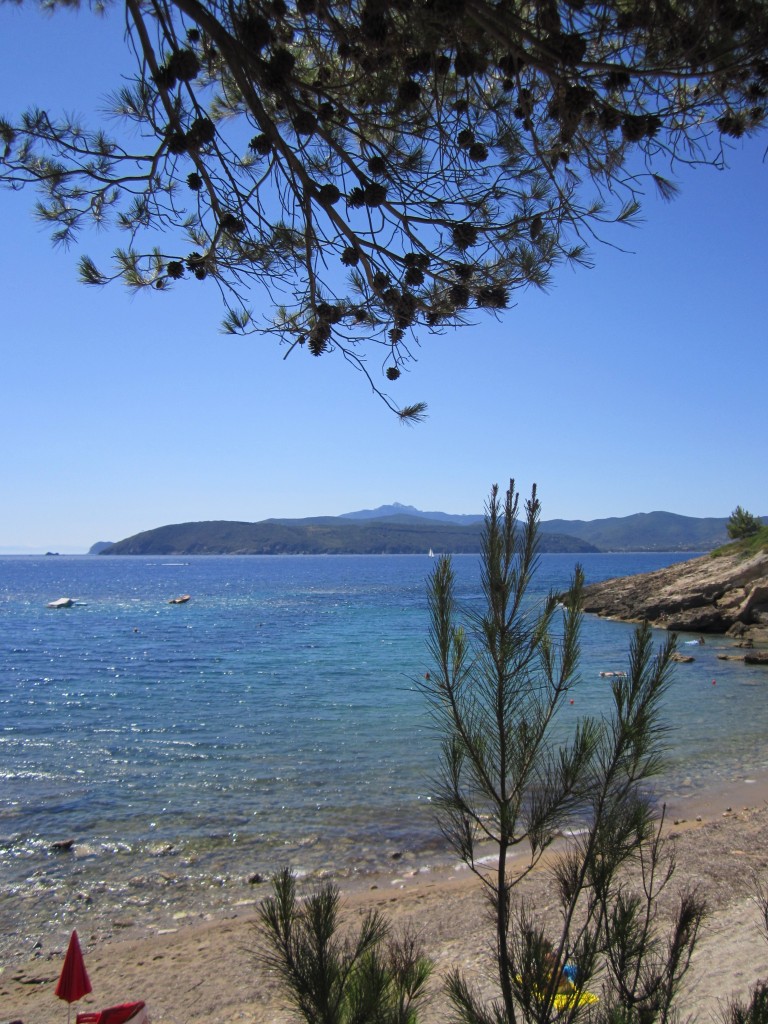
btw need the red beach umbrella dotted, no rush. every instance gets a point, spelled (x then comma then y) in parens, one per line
(73, 982)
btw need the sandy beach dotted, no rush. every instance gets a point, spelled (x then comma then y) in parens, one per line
(205, 971)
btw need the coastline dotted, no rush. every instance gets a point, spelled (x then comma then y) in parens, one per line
(203, 970)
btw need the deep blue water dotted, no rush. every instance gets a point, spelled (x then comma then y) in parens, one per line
(275, 718)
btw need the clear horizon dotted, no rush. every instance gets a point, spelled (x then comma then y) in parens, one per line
(636, 385)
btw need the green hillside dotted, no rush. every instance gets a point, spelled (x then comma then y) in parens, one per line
(401, 530)
(398, 535)
(645, 531)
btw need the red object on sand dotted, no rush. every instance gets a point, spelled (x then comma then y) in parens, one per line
(125, 1013)
(73, 982)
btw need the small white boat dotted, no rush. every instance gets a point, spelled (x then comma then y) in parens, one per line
(431, 553)
(62, 602)
(179, 600)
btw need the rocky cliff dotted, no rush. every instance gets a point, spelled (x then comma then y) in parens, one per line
(723, 594)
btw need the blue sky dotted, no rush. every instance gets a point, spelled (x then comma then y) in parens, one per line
(636, 386)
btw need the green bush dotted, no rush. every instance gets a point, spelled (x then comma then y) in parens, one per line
(743, 524)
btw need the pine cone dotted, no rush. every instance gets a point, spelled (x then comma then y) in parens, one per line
(305, 123)
(261, 144)
(374, 25)
(374, 194)
(329, 194)
(633, 127)
(409, 93)
(201, 132)
(254, 31)
(177, 143)
(464, 236)
(164, 78)
(459, 294)
(441, 64)
(318, 338)
(609, 118)
(493, 297)
(232, 223)
(419, 63)
(617, 80)
(184, 65)
(277, 71)
(327, 313)
(463, 271)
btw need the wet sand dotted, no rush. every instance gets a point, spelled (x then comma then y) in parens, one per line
(205, 972)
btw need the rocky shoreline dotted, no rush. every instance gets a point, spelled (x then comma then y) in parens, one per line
(718, 594)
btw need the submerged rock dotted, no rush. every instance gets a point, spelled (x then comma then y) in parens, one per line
(62, 845)
(712, 594)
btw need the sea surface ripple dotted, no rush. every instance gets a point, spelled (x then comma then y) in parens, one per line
(180, 753)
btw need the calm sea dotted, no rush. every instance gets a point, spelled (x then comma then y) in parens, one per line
(273, 719)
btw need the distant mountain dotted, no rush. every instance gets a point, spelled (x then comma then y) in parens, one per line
(398, 535)
(99, 546)
(403, 529)
(643, 531)
(646, 531)
(396, 510)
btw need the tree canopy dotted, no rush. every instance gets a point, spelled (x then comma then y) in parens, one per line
(383, 169)
(743, 524)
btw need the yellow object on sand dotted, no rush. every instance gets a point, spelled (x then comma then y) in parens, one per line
(570, 1000)
(567, 1000)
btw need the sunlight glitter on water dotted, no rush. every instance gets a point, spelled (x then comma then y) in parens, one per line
(273, 719)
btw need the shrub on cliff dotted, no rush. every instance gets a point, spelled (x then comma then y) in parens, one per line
(743, 524)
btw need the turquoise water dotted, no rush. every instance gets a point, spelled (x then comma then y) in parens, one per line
(273, 719)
